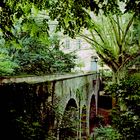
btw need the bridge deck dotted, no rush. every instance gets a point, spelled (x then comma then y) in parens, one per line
(40, 79)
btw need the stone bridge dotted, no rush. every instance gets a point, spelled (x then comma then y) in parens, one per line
(63, 106)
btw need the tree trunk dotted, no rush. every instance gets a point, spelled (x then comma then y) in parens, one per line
(118, 75)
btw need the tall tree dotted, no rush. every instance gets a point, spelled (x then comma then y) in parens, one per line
(113, 39)
(71, 14)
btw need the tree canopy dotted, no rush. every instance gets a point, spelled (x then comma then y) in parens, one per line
(115, 39)
(71, 14)
(33, 50)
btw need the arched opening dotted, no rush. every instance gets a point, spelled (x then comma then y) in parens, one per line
(69, 125)
(83, 123)
(92, 114)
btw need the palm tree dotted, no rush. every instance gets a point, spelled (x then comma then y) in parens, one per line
(112, 37)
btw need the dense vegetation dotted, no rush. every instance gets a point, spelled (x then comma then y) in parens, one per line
(115, 39)
(27, 47)
(106, 133)
(33, 50)
(72, 17)
(126, 115)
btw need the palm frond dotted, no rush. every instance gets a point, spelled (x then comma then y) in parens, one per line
(129, 24)
(114, 26)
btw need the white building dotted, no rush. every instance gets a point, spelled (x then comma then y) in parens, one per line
(82, 50)
(78, 46)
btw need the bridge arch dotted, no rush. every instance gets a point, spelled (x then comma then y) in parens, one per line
(69, 123)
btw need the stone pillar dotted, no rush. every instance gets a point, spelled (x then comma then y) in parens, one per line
(94, 60)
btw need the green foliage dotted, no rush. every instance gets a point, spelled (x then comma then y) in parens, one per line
(70, 14)
(73, 15)
(126, 114)
(106, 73)
(11, 9)
(70, 124)
(113, 38)
(36, 58)
(136, 40)
(127, 123)
(40, 52)
(34, 50)
(106, 133)
(7, 66)
(29, 130)
(136, 29)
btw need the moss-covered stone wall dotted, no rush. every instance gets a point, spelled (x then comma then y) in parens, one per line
(32, 107)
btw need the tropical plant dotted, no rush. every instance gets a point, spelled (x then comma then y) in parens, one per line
(113, 39)
(136, 29)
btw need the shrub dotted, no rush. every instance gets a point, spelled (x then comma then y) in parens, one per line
(126, 114)
(106, 133)
(7, 66)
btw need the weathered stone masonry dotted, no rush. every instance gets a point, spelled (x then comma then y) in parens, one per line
(45, 99)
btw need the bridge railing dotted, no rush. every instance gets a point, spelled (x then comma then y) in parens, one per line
(44, 78)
